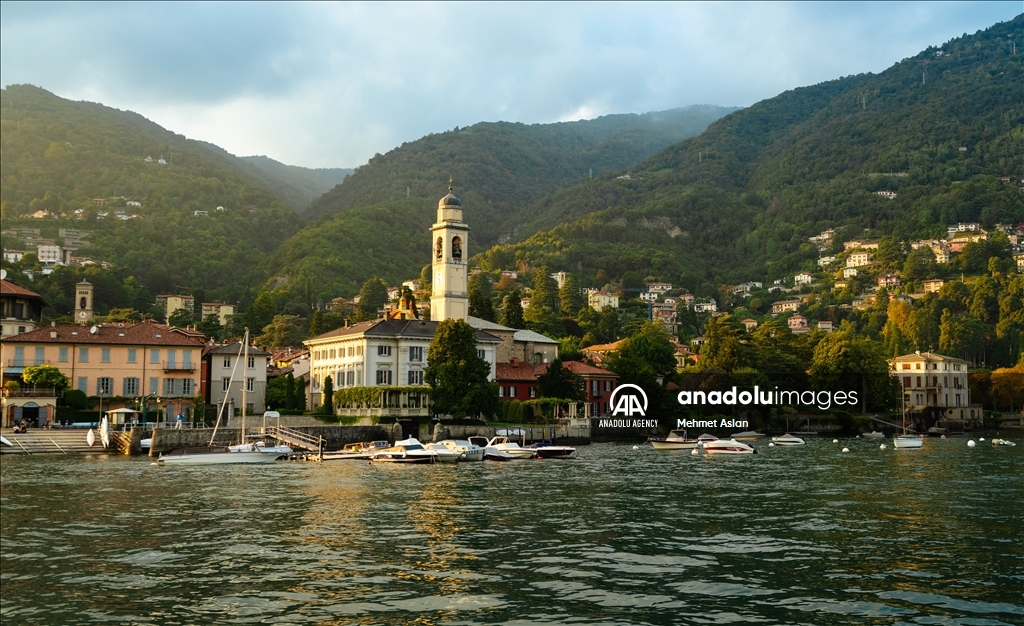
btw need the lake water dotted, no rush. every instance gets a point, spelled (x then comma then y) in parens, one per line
(619, 536)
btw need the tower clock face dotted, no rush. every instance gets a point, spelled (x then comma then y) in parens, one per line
(81, 314)
(438, 279)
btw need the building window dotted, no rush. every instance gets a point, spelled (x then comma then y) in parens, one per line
(40, 353)
(512, 391)
(415, 377)
(104, 355)
(83, 384)
(83, 355)
(501, 392)
(383, 350)
(63, 355)
(225, 384)
(350, 378)
(351, 350)
(227, 361)
(607, 385)
(132, 354)
(250, 384)
(186, 356)
(131, 387)
(359, 351)
(154, 357)
(383, 377)
(252, 362)
(105, 386)
(416, 354)
(186, 387)
(480, 353)
(533, 392)
(154, 384)
(19, 356)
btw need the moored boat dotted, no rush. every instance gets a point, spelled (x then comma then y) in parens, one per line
(727, 446)
(490, 452)
(503, 444)
(444, 453)
(550, 451)
(467, 451)
(907, 442)
(874, 435)
(748, 435)
(788, 440)
(676, 440)
(406, 451)
(356, 451)
(1003, 442)
(213, 456)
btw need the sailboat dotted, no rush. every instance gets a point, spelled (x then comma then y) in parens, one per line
(906, 441)
(222, 455)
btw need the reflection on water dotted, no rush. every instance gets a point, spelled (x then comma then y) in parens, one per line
(792, 535)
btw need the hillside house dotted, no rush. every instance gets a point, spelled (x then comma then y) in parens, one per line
(705, 305)
(888, 281)
(860, 259)
(785, 306)
(597, 300)
(933, 285)
(796, 322)
(803, 278)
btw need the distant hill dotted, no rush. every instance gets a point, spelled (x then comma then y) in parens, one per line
(738, 202)
(500, 167)
(78, 164)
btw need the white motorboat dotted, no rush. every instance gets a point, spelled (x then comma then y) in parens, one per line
(490, 453)
(467, 451)
(213, 456)
(749, 435)
(727, 446)
(503, 444)
(407, 451)
(549, 451)
(444, 453)
(262, 446)
(676, 440)
(874, 435)
(146, 443)
(356, 451)
(788, 440)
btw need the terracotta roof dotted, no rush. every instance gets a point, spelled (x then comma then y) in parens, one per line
(515, 371)
(579, 368)
(115, 333)
(8, 288)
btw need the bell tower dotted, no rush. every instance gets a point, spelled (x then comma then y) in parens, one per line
(83, 302)
(450, 236)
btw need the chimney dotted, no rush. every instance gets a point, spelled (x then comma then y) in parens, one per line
(346, 322)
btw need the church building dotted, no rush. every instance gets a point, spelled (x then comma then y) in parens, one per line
(391, 352)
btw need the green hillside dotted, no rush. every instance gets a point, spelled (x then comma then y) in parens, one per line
(308, 183)
(77, 165)
(738, 202)
(500, 168)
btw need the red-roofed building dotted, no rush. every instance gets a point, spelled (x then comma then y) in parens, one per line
(598, 382)
(516, 380)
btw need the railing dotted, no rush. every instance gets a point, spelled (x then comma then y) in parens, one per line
(35, 392)
(293, 437)
(26, 362)
(174, 366)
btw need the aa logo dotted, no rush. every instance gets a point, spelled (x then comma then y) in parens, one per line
(628, 404)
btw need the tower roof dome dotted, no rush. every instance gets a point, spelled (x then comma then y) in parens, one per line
(450, 200)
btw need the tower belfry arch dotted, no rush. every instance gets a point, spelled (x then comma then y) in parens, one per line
(450, 236)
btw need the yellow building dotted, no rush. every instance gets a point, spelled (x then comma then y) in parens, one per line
(221, 310)
(170, 304)
(934, 383)
(120, 363)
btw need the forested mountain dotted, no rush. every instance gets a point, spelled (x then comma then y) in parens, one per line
(180, 215)
(308, 183)
(739, 201)
(499, 167)
(377, 221)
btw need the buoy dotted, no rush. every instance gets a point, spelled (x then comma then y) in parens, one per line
(636, 447)
(881, 447)
(858, 436)
(942, 437)
(981, 439)
(694, 452)
(771, 445)
(846, 449)
(971, 444)
(835, 441)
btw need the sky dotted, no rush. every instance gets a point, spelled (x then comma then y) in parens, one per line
(330, 85)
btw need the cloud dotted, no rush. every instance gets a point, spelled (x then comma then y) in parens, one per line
(332, 84)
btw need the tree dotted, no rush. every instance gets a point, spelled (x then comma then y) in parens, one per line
(480, 304)
(653, 346)
(846, 362)
(181, 318)
(285, 331)
(570, 297)
(372, 296)
(457, 376)
(726, 344)
(512, 311)
(324, 321)
(210, 326)
(560, 382)
(124, 315)
(46, 376)
(544, 289)
(328, 405)
(920, 264)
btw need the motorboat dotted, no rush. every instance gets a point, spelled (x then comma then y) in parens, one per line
(213, 456)
(503, 444)
(676, 440)
(467, 451)
(907, 442)
(406, 451)
(874, 435)
(1003, 442)
(936, 431)
(788, 440)
(444, 453)
(728, 446)
(264, 447)
(146, 443)
(550, 451)
(749, 435)
(490, 452)
(705, 439)
(357, 451)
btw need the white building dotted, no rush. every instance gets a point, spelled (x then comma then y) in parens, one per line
(803, 278)
(600, 299)
(859, 259)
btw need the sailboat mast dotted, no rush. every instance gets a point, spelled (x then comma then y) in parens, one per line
(245, 380)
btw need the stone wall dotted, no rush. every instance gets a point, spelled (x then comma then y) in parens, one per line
(571, 435)
(167, 439)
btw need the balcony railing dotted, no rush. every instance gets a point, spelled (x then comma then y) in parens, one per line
(33, 392)
(174, 366)
(25, 362)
